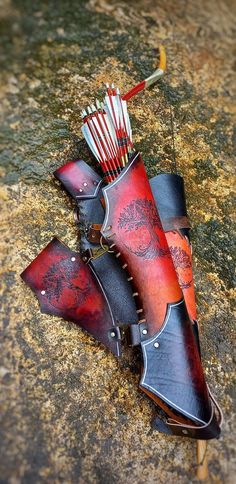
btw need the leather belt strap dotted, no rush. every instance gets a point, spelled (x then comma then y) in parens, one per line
(208, 431)
(131, 334)
(94, 233)
(169, 224)
(175, 223)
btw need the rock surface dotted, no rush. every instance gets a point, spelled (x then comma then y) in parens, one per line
(70, 412)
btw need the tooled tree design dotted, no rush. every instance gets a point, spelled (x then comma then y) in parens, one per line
(180, 257)
(182, 262)
(140, 219)
(63, 276)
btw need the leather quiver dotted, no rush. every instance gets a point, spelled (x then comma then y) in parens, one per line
(67, 287)
(172, 373)
(169, 196)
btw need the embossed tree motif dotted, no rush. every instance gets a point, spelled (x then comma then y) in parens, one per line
(140, 219)
(182, 262)
(65, 281)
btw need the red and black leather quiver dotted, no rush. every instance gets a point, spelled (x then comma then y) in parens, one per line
(172, 371)
(140, 287)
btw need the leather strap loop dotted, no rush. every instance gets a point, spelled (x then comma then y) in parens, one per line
(175, 223)
(131, 334)
(169, 224)
(205, 432)
(94, 233)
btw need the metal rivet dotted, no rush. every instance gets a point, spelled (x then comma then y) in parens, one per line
(81, 190)
(85, 259)
(95, 182)
(144, 331)
(85, 184)
(72, 259)
(156, 344)
(43, 292)
(185, 432)
(113, 334)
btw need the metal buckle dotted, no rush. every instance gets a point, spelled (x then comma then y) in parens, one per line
(92, 254)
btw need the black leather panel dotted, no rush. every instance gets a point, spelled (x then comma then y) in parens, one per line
(108, 269)
(168, 191)
(172, 367)
(196, 335)
(117, 288)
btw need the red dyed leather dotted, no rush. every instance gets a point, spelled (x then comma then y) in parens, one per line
(74, 174)
(133, 225)
(172, 372)
(65, 286)
(180, 250)
(79, 179)
(169, 194)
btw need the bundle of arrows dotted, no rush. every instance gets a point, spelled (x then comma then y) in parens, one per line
(134, 234)
(108, 133)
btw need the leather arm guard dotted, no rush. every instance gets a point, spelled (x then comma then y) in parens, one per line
(67, 287)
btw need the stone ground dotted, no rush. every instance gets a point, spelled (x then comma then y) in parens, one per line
(70, 412)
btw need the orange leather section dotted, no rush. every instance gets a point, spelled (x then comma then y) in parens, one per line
(180, 250)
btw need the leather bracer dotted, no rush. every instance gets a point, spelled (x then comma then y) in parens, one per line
(67, 287)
